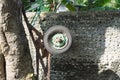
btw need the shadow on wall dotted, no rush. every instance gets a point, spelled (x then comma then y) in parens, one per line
(108, 75)
(94, 54)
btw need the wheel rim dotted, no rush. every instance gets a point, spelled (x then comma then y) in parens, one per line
(59, 41)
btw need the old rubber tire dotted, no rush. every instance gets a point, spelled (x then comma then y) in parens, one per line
(52, 31)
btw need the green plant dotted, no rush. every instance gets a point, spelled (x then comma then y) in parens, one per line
(84, 5)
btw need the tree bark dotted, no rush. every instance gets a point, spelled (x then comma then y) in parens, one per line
(2, 67)
(13, 43)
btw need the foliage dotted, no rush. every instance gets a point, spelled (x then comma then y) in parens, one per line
(106, 5)
(72, 5)
(52, 5)
(47, 5)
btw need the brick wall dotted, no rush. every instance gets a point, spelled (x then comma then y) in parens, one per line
(95, 51)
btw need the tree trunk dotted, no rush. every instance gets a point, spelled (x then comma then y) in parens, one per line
(2, 67)
(16, 63)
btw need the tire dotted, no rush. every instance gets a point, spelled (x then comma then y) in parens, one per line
(64, 38)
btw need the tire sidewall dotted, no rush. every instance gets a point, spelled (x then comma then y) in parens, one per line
(54, 29)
